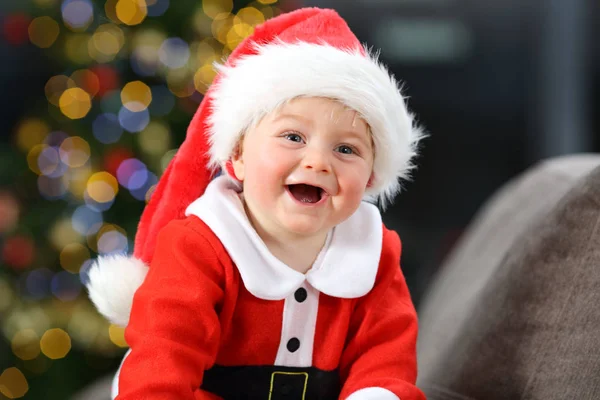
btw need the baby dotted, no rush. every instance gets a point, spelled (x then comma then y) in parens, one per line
(274, 280)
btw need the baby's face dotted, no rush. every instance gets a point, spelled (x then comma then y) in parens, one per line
(305, 167)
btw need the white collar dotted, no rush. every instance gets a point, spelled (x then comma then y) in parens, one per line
(346, 267)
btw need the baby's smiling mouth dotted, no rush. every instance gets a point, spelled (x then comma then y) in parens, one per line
(306, 193)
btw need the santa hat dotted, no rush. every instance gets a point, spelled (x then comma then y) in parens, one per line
(308, 52)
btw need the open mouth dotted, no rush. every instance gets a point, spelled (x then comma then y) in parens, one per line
(306, 194)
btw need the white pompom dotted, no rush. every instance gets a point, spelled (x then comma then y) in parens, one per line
(113, 280)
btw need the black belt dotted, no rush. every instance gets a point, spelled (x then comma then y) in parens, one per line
(272, 383)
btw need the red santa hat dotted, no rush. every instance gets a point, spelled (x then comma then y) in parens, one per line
(308, 52)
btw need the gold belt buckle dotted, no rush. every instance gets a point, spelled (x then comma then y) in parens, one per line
(305, 374)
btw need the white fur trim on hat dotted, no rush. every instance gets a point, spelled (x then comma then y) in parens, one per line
(113, 280)
(258, 84)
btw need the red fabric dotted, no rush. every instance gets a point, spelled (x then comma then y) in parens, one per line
(187, 176)
(193, 311)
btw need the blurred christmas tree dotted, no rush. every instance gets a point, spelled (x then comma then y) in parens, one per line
(84, 160)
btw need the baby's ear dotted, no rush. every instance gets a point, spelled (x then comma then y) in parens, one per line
(370, 182)
(235, 167)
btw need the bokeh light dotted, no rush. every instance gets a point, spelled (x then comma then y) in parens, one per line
(51, 188)
(174, 52)
(208, 51)
(15, 28)
(13, 383)
(132, 174)
(56, 86)
(110, 9)
(76, 48)
(74, 151)
(108, 78)
(106, 42)
(26, 316)
(221, 26)
(112, 239)
(142, 194)
(49, 162)
(55, 138)
(77, 15)
(117, 335)
(166, 159)
(84, 272)
(63, 234)
(25, 344)
(102, 187)
(66, 286)
(201, 23)
(73, 256)
(144, 60)
(37, 283)
(77, 180)
(86, 80)
(75, 103)
(86, 221)
(31, 132)
(18, 251)
(136, 96)
(212, 8)
(243, 25)
(33, 157)
(131, 12)
(181, 82)
(114, 157)
(249, 15)
(9, 211)
(156, 8)
(155, 139)
(204, 77)
(43, 31)
(134, 121)
(55, 343)
(97, 205)
(84, 326)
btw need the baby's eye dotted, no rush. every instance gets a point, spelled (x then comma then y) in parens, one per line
(294, 137)
(345, 149)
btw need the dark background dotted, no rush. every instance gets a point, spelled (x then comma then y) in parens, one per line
(498, 84)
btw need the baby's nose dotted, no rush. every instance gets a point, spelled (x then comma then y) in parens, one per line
(316, 160)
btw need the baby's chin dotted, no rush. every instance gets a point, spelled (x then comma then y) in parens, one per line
(305, 227)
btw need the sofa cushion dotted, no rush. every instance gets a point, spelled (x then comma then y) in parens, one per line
(513, 313)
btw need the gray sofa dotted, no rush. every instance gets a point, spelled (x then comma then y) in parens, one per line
(514, 311)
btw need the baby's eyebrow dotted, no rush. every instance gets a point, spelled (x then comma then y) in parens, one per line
(357, 135)
(296, 117)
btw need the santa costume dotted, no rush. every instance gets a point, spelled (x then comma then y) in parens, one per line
(209, 312)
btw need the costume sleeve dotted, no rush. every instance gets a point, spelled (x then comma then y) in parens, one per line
(174, 328)
(379, 360)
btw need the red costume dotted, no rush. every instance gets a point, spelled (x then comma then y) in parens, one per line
(201, 309)
(215, 314)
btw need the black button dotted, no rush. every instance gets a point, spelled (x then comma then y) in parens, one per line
(293, 344)
(301, 295)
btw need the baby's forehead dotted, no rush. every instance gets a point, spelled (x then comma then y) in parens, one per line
(308, 107)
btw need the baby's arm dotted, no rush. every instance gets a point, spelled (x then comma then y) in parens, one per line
(379, 360)
(174, 329)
